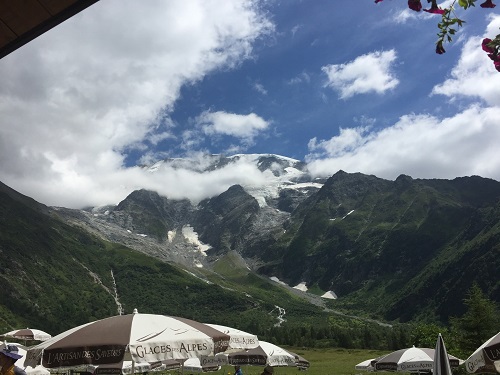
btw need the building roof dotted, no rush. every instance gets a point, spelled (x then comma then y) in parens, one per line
(23, 20)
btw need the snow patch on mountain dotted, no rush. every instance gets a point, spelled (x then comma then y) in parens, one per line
(329, 295)
(192, 237)
(301, 286)
(276, 280)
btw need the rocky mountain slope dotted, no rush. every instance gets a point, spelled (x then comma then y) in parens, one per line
(195, 234)
(56, 276)
(380, 245)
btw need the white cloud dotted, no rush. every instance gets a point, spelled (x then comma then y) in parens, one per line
(347, 141)
(295, 29)
(300, 78)
(404, 15)
(260, 88)
(105, 80)
(367, 73)
(422, 146)
(185, 183)
(245, 127)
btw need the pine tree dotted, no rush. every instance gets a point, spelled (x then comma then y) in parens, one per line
(479, 323)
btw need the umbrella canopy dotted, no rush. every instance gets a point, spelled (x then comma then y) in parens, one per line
(194, 365)
(441, 364)
(124, 367)
(365, 365)
(265, 354)
(486, 358)
(28, 334)
(38, 370)
(411, 360)
(300, 362)
(239, 339)
(139, 337)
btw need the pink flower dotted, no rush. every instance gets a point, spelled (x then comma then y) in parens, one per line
(488, 4)
(415, 5)
(377, 1)
(434, 8)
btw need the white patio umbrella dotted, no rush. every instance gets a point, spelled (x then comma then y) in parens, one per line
(124, 368)
(37, 370)
(195, 365)
(136, 337)
(265, 354)
(441, 364)
(411, 360)
(365, 365)
(300, 362)
(239, 339)
(28, 334)
(486, 358)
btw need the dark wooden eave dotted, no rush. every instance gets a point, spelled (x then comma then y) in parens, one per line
(21, 21)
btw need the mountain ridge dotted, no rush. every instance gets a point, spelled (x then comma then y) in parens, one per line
(359, 237)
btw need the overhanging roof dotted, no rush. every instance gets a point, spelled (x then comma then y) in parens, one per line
(23, 20)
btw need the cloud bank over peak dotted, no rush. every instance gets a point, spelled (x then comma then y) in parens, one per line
(75, 98)
(426, 145)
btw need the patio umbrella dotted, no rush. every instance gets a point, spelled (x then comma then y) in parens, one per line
(300, 362)
(441, 364)
(125, 368)
(239, 339)
(194, 365)
(136, 337)
(486, 358)
(265, 354)
(365, 365)
(38, 370)
(411, 360)
(28, 334)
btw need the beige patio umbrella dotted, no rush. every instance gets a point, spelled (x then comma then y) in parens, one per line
(411, 360)
(486, 358)
(137, 337)
(28, 334)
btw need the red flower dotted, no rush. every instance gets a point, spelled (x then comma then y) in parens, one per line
(415, 5)
(486, 47)
(434, 8)
(439, 48)
(488, 4)
(377, 1)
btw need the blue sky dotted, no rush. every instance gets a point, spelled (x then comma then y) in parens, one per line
(341, 84)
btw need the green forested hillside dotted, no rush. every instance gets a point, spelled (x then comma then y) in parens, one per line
(383, 246)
